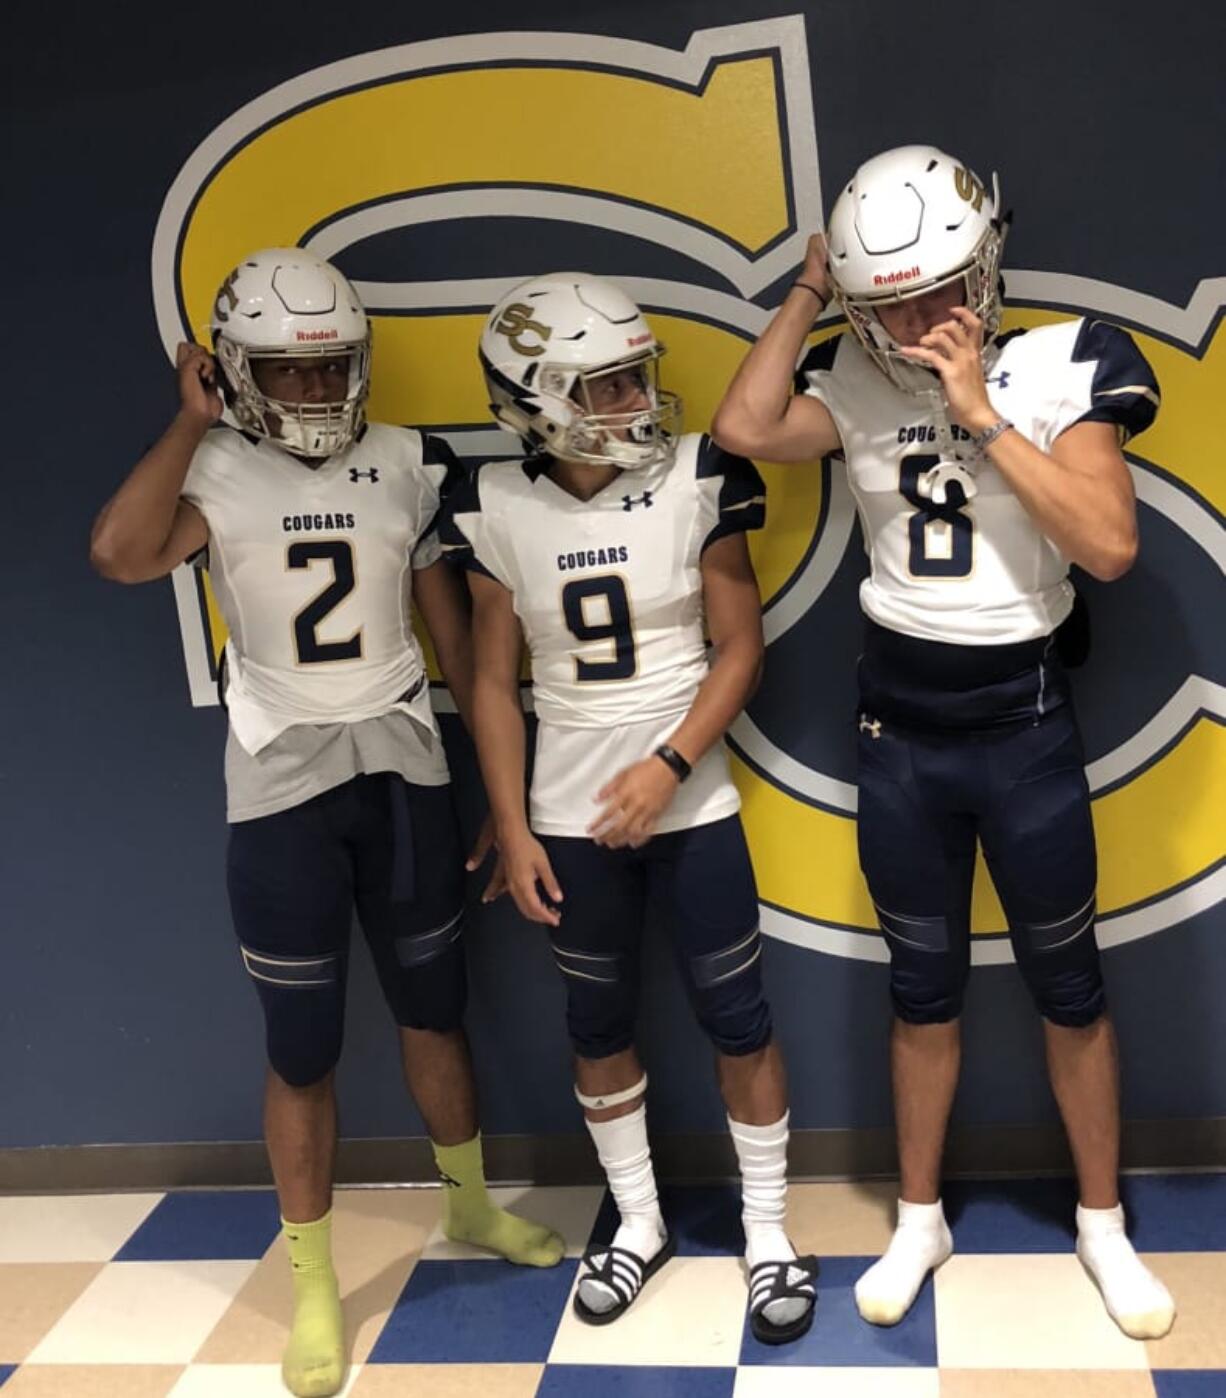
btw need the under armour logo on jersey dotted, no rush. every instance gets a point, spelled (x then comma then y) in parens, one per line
(355, 475)
(871, 726)
(1002, 379)
(629, 501)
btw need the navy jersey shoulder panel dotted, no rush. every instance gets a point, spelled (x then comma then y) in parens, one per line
(463, 499)
(436, 452)
(1124, 390)
(741, 503)
(818, 357)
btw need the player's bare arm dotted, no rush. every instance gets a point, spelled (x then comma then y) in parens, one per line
(1080, 495)
(441, 601)
(636, 798)
(499, 730)
(759, 416)
(145, 530)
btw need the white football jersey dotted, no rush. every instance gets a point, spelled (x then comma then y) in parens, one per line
(977, 570)
(311, 570)
(608, 592)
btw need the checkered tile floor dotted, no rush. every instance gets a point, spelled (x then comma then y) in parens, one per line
(148, 1295)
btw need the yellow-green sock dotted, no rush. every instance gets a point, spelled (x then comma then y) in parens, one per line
(314, 1362)
(469, 1215)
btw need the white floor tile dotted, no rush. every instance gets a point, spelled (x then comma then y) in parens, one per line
(70, 1227)
(143, 1313)
(691, 1312)
(241, 1381)
(1026, 1311)
(569, 1210)
(767, 1381)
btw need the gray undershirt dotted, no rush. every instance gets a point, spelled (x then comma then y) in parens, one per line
(308, 759)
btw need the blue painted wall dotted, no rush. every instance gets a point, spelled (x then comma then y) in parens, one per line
(124, 1014)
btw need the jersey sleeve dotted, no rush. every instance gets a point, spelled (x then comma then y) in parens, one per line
(815, 373)
(467, 531)
(731, 492)
(444, 472)
(1121, 388)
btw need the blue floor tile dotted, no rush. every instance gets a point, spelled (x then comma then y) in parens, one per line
(222, 1224)
(705, 1218)
(1011, 1215)
(1166, 1213)
(635, 1381)
(1176, 1213)
(479, 1312)
(839, 1337)
(1189, 1383)
(8, 1370)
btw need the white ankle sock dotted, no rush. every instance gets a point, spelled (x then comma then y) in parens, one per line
(762, 1153)
(1135, 1299)
(625, 1155)
(921, 1242)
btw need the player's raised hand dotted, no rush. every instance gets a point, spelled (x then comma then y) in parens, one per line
(528, 873)
(199, 395)
(632, 803)
(954, 350)
(814, 271)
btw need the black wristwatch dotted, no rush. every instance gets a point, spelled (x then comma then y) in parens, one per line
(680, 767)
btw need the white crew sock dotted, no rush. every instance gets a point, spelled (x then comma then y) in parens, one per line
(762, 1153)
(625, 1155)
(1135, 1299)
(921, 1242)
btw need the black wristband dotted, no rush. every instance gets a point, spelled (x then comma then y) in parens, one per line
(677, 764)
(824, 301)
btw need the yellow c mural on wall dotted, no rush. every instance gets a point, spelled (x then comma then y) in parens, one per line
(710, 152)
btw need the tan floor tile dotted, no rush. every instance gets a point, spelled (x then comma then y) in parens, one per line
(377, 1237)
(70, 1227)
(448, 1380)
(1026, 1311)
(1045, 1383)
(244, 1381)
(1197, 1281)
(842, 1220)
(35, 1295)
(92, 1381)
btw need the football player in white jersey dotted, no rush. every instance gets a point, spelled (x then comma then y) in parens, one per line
(318, 529)
(605, 551)
(982, 465)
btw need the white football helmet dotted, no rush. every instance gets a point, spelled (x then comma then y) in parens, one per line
(286, 302)
(543, 347)
(913, 219)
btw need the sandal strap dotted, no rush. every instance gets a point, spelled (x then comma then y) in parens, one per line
(617, 1268)
(778, 1281)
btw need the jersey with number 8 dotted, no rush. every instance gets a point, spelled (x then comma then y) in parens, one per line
(311, 571)
(972, 571)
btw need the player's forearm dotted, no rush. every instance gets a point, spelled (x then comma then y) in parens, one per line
(133, 527)
(728, 687)
(498, 727)
(454, 654)
(1092, 524)
(754, 409)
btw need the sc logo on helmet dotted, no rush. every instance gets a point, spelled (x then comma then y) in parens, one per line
(515, 322)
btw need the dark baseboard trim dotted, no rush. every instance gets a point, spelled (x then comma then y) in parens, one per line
(1191, 1143)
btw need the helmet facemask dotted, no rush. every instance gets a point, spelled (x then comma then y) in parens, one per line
(980, 276)
(312, 430)
(558, 411)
